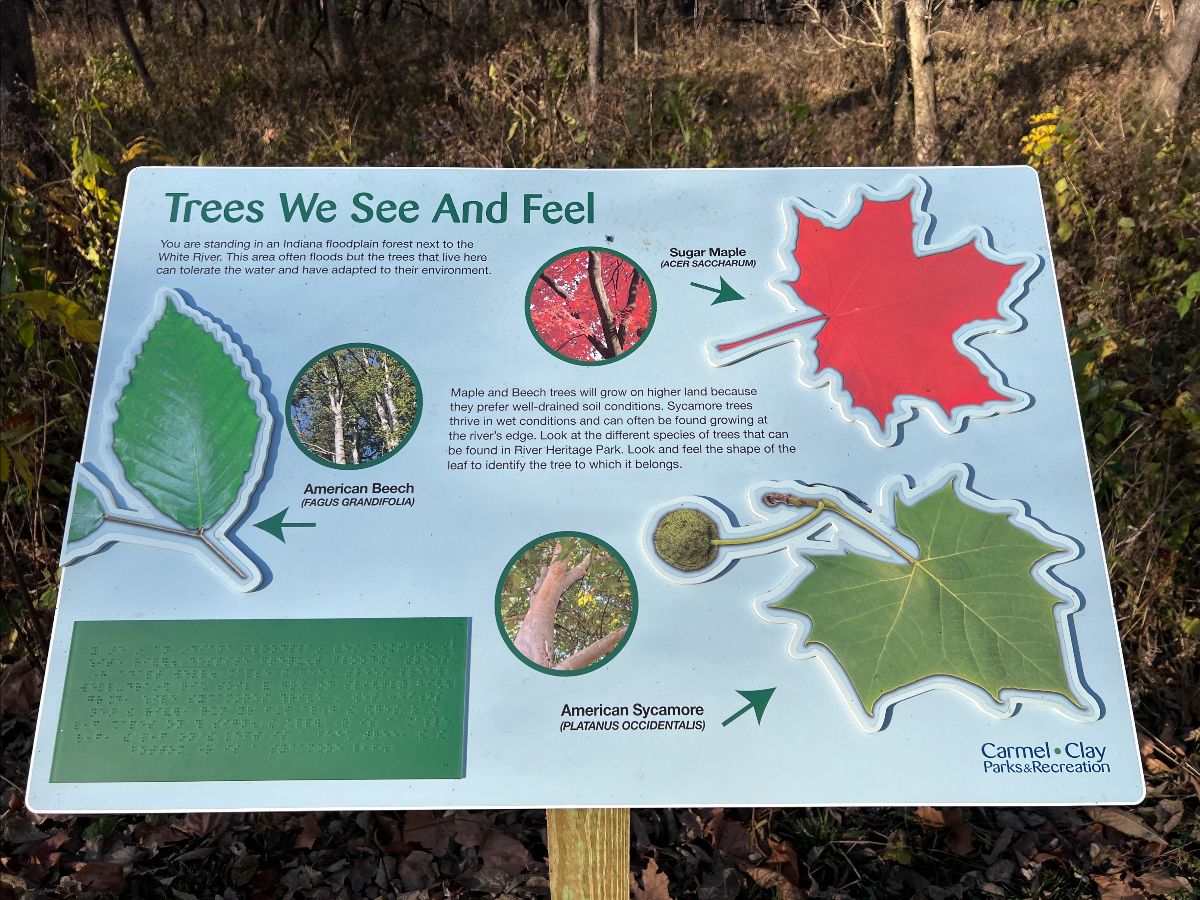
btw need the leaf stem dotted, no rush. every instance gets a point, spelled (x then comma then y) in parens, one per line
(778, 532)
(180, 532)
(819, 506)
(770, 332)
(221, 555)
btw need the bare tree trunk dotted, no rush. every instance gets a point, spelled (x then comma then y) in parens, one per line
(895, 58)
(339, 426)
(1164, 11)
(1178, 57)
(389, 398)
(341, 47)
(593, 652)
(535, 637)
(603, 305)
(145, 13)
(18, 67)
(595, 46)
(636, 36)
(139, 63)
(202, 10)
(926, 143)
(386, 428)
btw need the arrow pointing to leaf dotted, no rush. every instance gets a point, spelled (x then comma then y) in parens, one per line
(758, 703)
(275, 524)
(724, 293)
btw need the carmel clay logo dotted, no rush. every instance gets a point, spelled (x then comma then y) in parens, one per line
(1073, 757)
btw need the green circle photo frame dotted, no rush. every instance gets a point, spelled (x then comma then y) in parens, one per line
(412, 428)
(590, 362)
(633, 593)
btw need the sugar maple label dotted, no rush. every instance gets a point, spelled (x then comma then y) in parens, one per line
(444, 473)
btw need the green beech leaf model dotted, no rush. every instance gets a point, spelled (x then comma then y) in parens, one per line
(186, 425)
(87, 514)
(967, 607)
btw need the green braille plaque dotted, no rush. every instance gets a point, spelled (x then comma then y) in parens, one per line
(263, 699)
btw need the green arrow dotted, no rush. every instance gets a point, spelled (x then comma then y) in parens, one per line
(275, 524)
(724, 293)
(758, 703)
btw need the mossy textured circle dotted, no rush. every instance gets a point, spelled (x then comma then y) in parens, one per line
(599, 580)
(568, 318)
(354, 406)
(684, 539)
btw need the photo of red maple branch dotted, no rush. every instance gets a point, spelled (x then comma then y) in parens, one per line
(590, 305)
(566, 603)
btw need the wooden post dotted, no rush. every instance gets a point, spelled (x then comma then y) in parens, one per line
(589, 853)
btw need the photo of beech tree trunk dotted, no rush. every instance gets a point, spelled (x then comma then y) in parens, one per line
(566, 603)
(590, 305)
(354, 406)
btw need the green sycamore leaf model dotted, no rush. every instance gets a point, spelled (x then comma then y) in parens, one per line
(966, 607)
(190, 428)
(945, 588)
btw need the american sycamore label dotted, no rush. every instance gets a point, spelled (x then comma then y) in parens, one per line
(396, 481)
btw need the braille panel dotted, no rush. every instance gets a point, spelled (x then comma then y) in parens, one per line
(264, 700)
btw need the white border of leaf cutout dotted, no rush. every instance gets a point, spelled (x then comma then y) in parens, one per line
(907, 406)
(836, 539)
(132, 504)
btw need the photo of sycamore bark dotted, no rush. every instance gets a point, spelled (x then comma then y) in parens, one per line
(354, 406)
(590, 305)
(566, 603)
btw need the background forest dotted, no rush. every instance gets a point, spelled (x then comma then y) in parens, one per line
(353, 406)
(1089, 92)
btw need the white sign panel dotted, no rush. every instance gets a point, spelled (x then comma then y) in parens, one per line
(485, 488)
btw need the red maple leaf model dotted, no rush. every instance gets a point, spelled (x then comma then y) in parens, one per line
(590, 305)
(896, 314)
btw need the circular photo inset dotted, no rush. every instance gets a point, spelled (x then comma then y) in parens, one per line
(354, 406)
(566, 603)
(590, 306)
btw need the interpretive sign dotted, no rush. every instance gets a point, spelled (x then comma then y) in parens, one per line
(484, 488)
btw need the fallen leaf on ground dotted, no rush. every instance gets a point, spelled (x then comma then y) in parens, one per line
(1168, 814)
(1125, 822)
(774, 881)
(729, 837)
(469, 829)
(200, 824)
(504, 852)
(20, 689)
(784, 859)
(309, 831)
(654, 884)
(388, 837)
(959, 834)
(153, 837)
(429, 830)
(1127, 886)
(416, 871)
(101, 876)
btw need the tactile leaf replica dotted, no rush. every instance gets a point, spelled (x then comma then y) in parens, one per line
(87, 514)
(965, 606)
(190, 428)
(939, 587)
(890, 316)
(186, 426)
